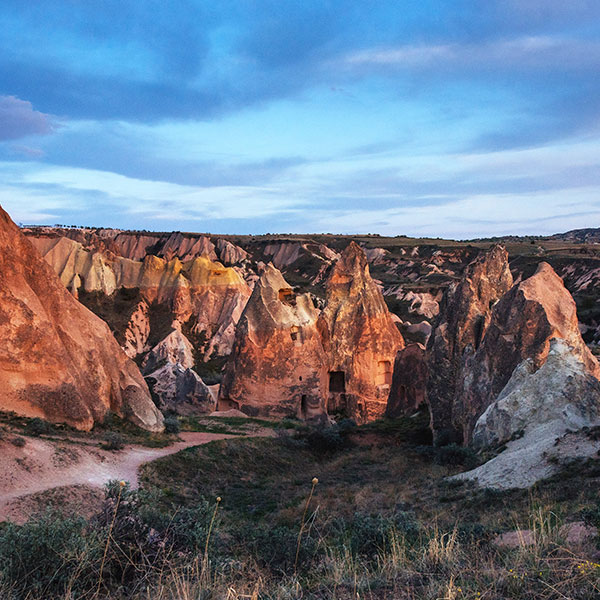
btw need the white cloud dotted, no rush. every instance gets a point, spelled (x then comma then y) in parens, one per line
(521, 52)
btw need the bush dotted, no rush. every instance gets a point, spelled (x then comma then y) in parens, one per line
(324, 439)
(38, 426)
(275, 547)
(113, 441)
(172, 425)
(19, 442)
(49, 555)
(456, 455)
(369, 534)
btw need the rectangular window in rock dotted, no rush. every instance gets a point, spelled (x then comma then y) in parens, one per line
(287, 296)
(337, 382)
(384, 373)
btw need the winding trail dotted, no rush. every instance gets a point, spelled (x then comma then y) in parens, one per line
(43, 465)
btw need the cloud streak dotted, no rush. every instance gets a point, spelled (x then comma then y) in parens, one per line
(18, 119)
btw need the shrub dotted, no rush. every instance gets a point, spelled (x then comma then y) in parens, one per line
(49, 555)
(113, 441)
(275, 547)
(38, 426)
(172, 425)
(19, 442)
(368, 534)
(452, 455)
(324, 439)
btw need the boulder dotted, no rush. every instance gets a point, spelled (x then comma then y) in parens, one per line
(58, 361)
(277, 367)
(178, 389)
(360, 339)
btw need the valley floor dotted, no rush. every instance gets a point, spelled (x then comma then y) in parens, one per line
(243, 518)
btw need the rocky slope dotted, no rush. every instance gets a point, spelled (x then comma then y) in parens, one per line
(58, 361)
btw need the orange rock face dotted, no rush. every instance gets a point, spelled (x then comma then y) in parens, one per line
(460, 329)
(277, 367)
(59, 361)
(522, 325)
(360, 339)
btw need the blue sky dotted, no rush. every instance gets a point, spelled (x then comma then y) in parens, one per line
(458, 119)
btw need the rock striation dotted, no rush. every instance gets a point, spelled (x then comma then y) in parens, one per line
(200, 291)
(360, 339)
(278, 366)
(59, 361)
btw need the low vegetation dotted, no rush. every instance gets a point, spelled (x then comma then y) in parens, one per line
(243, 518)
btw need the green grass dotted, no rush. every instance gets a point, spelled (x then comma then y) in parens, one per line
(231, 425)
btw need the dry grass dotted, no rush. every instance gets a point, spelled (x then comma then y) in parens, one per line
(381, 524)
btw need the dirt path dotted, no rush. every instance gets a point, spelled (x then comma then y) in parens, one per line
(42, 465)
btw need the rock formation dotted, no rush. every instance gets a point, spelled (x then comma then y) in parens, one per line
(458, 332)
(277, 367)
(542, 418)
(360, 339)
(204, 292)
(409, 382)
(180, 390)
(169, 371)
(522, 326)
(58, 361)
(561, 395)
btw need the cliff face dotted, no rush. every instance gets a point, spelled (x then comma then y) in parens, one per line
(459, 331)
(360, 339)
(408, 391)
(277, 367)
(59, 361)
(522, 326)
(200, 291)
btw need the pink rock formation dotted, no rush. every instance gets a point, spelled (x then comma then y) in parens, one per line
(277, 367)
(58, 361)
(201, 290)
(522, 325)
(360, 339)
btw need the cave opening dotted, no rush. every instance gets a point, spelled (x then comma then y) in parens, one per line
(337, 382)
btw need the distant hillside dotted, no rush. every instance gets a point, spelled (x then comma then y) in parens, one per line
(579, 236)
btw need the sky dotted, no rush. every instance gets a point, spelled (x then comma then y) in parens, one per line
(462, 118)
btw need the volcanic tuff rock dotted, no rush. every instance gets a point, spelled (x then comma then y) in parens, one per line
(409, 382)
(58, 361)
(359, 337)
(462, 325)
(277, 367)
(205, 293)
(522, 325)
(175, 348)
(180, 390)
(542, 417)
